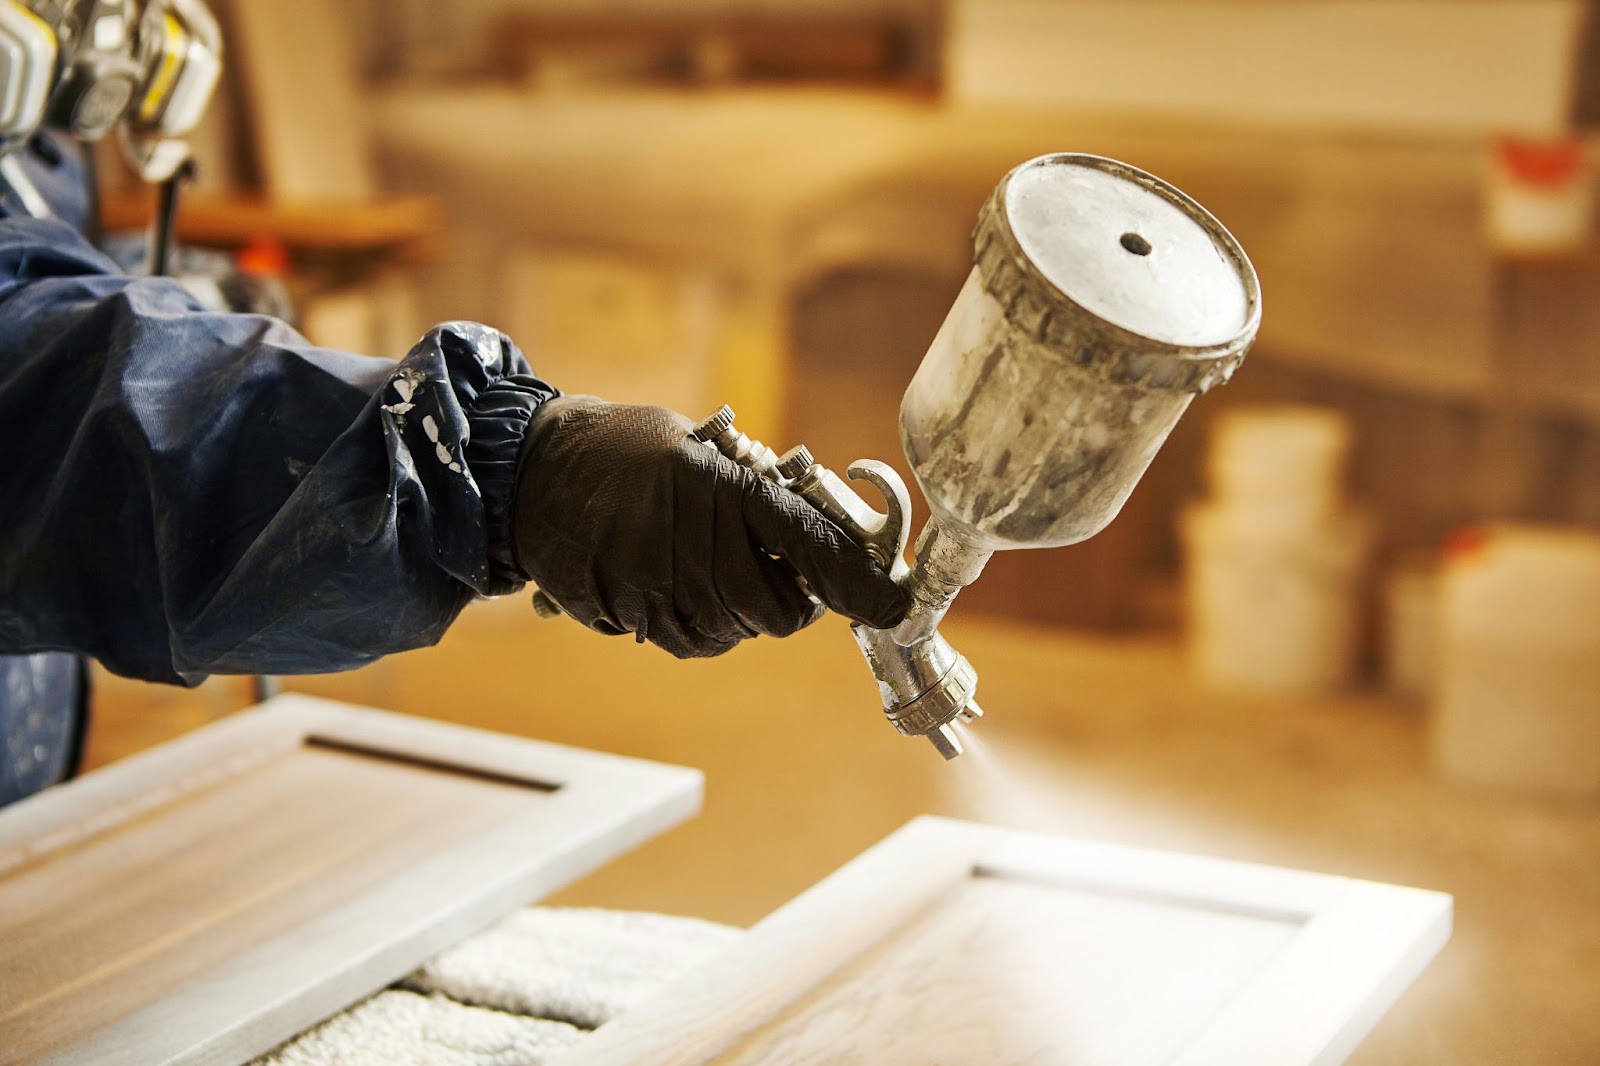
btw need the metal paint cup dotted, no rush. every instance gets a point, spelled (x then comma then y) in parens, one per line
(1101, 302)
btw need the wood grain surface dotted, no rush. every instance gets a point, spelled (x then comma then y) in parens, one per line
(1010, 972)
(205, 902)
(955, 942)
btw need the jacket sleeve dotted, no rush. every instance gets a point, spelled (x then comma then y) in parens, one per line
(184, 493)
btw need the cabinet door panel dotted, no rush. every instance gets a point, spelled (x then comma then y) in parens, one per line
(953, 942)
(213, 897)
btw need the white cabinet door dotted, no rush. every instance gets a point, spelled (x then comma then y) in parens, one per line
(951, 942)
(208, 899)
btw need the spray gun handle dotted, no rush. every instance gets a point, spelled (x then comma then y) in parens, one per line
(925, 684)
(883, 535)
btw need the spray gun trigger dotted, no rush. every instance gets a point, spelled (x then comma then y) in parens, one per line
(887, 540)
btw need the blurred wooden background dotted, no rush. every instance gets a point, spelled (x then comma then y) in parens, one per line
(663, 208)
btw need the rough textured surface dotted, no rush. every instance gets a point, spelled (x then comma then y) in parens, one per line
(514, 995)
(403, 1027)
(579, 966)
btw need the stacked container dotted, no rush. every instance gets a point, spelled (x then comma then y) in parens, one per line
(1276, 556)
(1517, 696)
(1410, 629)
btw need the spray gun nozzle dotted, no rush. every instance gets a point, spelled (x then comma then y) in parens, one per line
(925, 687)
(945, 740)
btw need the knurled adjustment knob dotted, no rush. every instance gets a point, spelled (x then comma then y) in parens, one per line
(544, 606)
(714, 425)
(795, 461)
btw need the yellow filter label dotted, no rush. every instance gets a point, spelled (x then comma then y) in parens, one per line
(173, 50)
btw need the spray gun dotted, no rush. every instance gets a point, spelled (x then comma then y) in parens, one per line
(926, 685)
(1101, 301)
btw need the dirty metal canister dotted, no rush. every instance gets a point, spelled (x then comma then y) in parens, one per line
(1101, 302)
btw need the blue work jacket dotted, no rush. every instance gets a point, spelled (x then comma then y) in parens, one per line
(185, 493)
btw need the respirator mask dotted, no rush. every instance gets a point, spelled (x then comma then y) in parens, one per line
(93, 67)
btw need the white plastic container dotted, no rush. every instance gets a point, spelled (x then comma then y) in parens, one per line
(1270, 612)
(1275, 560)
(1284, 463)
(1541, 195)
(1518, 697)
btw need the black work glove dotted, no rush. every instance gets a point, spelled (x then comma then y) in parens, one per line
(633, 526)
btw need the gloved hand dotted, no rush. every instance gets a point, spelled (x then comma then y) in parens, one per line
(633, 526)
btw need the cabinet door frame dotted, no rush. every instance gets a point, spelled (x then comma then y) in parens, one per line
(592, 808)
(1358, 945)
